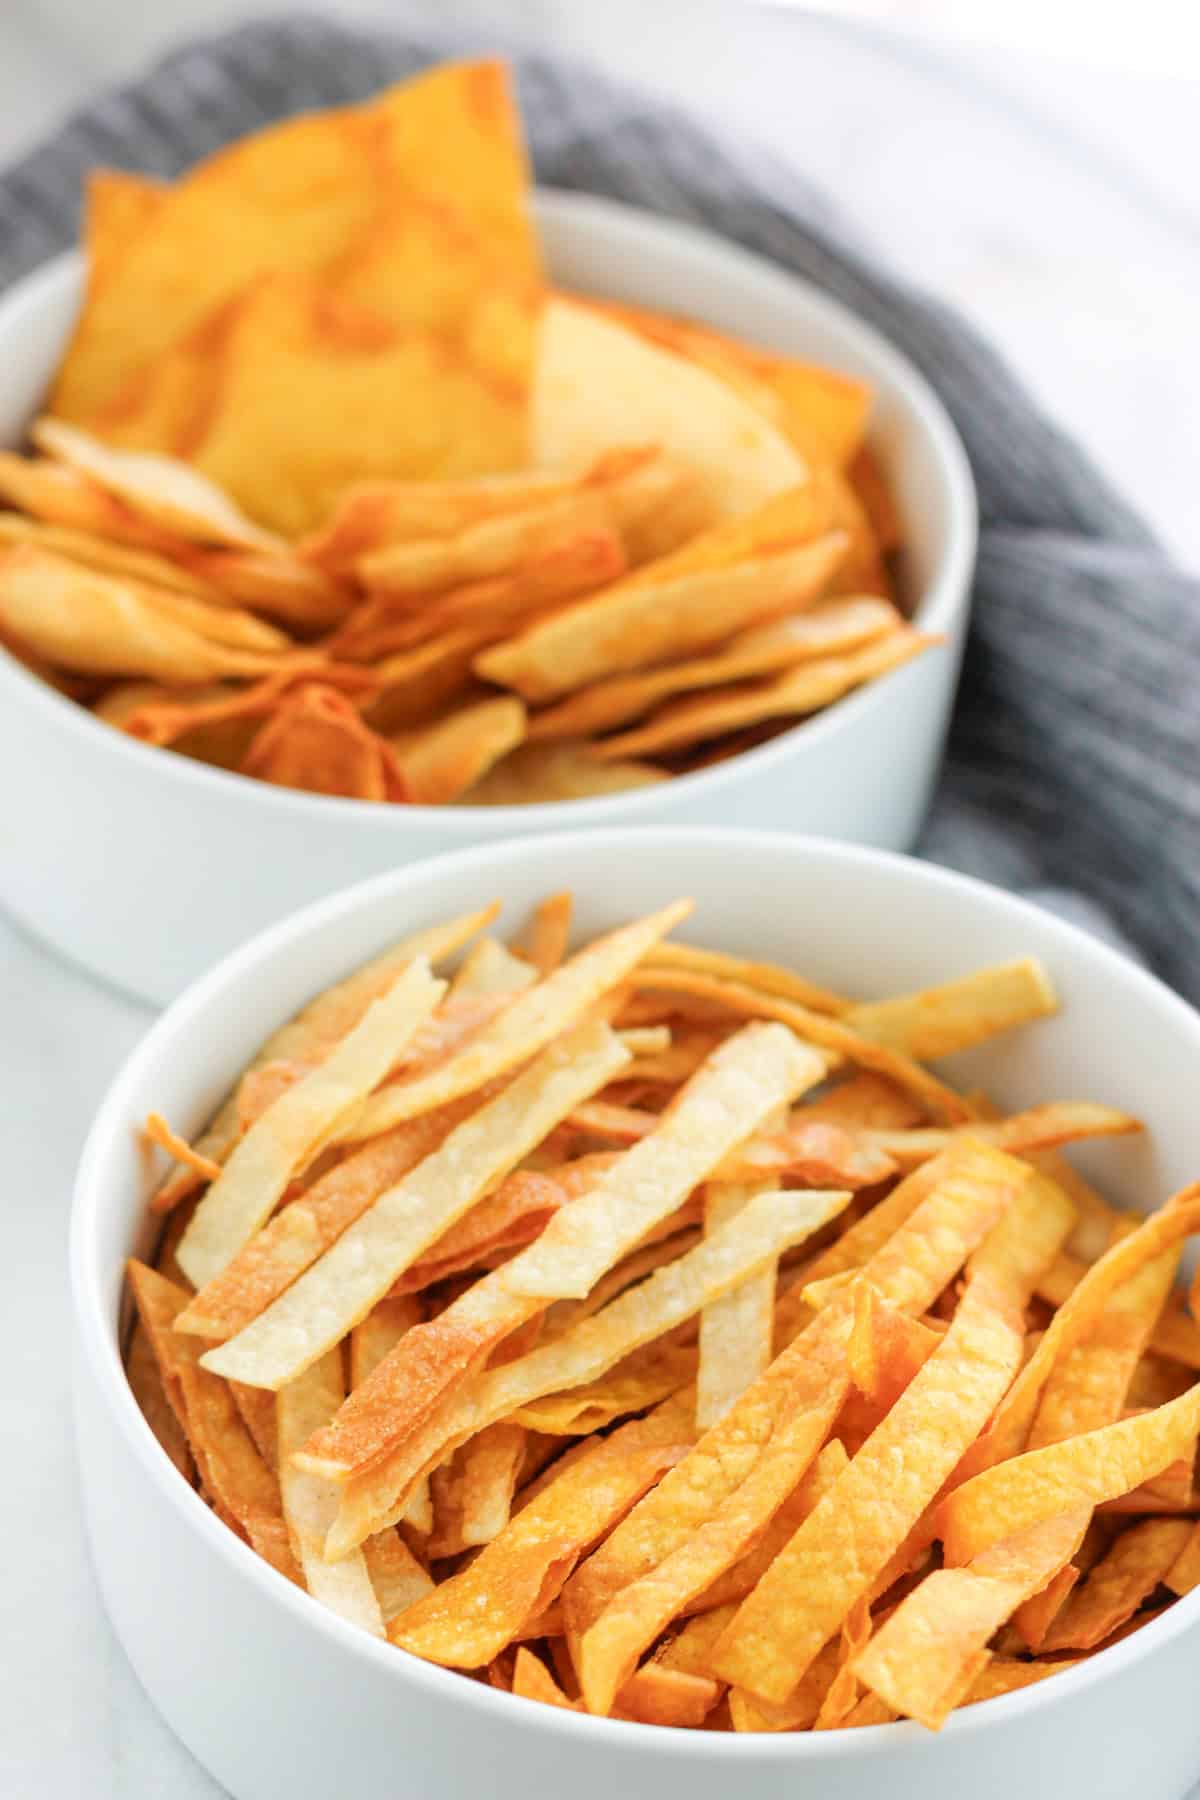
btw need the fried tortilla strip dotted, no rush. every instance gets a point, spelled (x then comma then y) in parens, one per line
(398, 1579)
(491, 1467)
(1038, 1128)
(165, 492)
(359, 1268)
(831, 1034)
(96, 624)
(751, 1074)
(535, 774)
(797, 692)
(372, 515)
(711, 1512)
(310, 1503)
(440, 762)
(849, 1538)
(769, 978)
(1075, 1319)
(469, 1619)
(636, 1382)
(658, 613)
(109, 558)
(1083, 1471)
(937, 1021)
(525, 1027)
(491, 968)
(1141, 1559)
(863, 1101)
(885, 1349)
(657, 1696)
(59, 495)
(1004, 1676)
(149, 1390)
(836, 627)
(230, 1466)
(544, 940)
(735, 1331)
(316, 741)
(379, 1332)
(532, 1680)
(157, 1131)
(918, 1658)
(286, 1137)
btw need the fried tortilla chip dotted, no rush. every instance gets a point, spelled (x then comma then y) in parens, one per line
(537, 774)
(316, 740)
(735, 1330)
(446, 758)
(937, 1021)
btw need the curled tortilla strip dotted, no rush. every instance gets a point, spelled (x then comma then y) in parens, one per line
(769, 978)
(440, 762)
(1038, 1128)
(1141, 1559)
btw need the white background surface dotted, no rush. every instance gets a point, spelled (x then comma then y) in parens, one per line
(1052, 198)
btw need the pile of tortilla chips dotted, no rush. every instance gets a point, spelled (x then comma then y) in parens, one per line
(332, 491)
(655, 1334)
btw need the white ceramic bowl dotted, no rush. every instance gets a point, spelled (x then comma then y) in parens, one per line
(273, 1694)
(146, 867)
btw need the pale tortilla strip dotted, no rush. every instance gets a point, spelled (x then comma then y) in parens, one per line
(958, 1014)
(660, 613)
(805, 689)
(835, 627)
(421, 565)
(288, 1134)
(769, 977)
(359, 1268)
(522, 1029)
(735, 1330)
(309, 1503)
(1023, 1133)
(161, 489)
(101, 553)
(491, 968)
(597, 384)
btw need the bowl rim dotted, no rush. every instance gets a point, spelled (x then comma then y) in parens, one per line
(943, 606)
(98, 1342)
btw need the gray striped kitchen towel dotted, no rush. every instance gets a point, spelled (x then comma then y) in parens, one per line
(1073, 773)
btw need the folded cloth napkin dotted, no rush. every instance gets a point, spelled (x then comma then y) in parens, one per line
(1073, 772)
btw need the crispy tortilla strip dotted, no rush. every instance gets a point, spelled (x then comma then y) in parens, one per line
(837, 627)
(96, 624)
(801, 1710)
(157, 1131)
(668, 609)
(863, 1101)
(830, 1034)
(535, 774)
(1075, 1319)
(657, 1696)
(769, 978)
(360, 1267)
(842, 1694)
(491, 1466)
(598, 383)
(440, 762)
(690, 1649)
(532, 1680)
(258, 1413)
(270, 582)
(379, 1332)
(469, 1619)
(745, 1574)
(1184, 1573)
(1038, 1128)
(885, 1348)
(165, 492)
(491, 968)
(216, 720)
(937, 1021)
(310, 1503)
(1141, 1559)
(1004, 1676)
(396, 1576)
(675, 1545)
(797, 692)
(289, 1133)
(370, 516)
(750, 1076)
(230, 1466)
(546, 937)
(525, 1027)
(920, 1656)
(636, 1382)
(846, 1542)
(1083, 1471)
(735, 1331)
(149, 1390)
(504, 603)
(59, 495)
(661, 1244)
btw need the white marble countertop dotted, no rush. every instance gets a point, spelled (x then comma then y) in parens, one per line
(1051, 201)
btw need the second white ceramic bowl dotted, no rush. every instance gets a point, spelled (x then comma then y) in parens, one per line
(274, 1694)
(146, 867)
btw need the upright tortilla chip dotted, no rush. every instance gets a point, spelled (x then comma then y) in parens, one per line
(296, 197)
